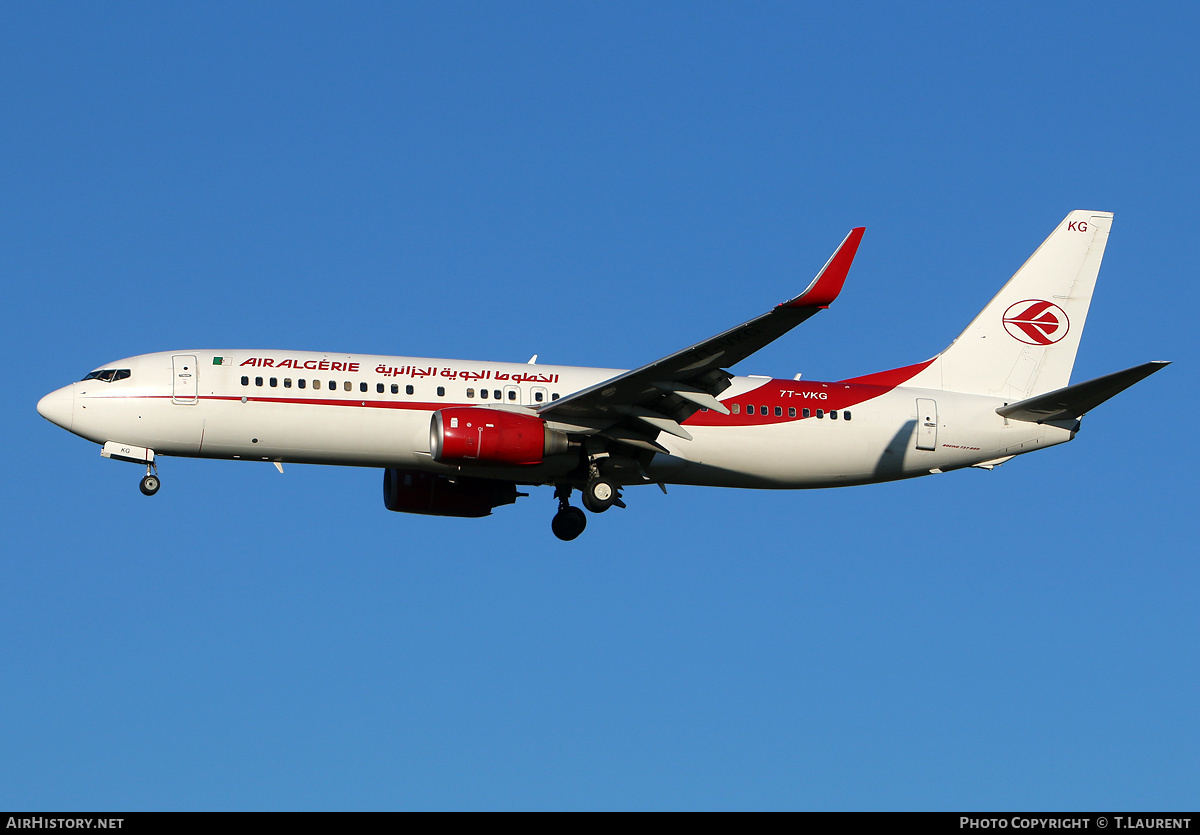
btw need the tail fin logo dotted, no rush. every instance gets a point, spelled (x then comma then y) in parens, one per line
(1036, 322)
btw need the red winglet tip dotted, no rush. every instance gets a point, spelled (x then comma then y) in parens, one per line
(828, 283)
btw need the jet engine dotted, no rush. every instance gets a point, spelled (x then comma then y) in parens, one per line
(466, 435)
(412, 491)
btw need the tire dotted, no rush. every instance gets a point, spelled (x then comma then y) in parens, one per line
(149, 485)
(599, 495)
(568, 523)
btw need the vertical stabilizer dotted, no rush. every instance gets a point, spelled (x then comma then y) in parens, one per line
(1024, 342)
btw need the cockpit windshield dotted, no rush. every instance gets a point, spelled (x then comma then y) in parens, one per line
(107, 375)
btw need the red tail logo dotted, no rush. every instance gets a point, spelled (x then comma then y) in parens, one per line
(1036, 322)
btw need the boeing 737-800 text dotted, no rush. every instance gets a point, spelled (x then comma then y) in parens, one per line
(457, 438)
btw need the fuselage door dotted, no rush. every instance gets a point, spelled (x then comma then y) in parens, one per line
(184, 389)
(927, 422)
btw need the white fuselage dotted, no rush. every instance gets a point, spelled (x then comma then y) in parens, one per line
(373, 411)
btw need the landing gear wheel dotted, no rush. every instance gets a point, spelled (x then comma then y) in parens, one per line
(149, 485)
(568, 523)
(599, 495)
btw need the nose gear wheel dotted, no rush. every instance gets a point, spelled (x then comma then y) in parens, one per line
(150, 482)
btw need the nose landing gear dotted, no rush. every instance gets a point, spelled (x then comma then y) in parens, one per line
(150, 482)
(135, 455)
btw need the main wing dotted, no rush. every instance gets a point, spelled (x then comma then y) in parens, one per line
(633, 407)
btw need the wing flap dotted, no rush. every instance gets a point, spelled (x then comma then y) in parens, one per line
(701, 398)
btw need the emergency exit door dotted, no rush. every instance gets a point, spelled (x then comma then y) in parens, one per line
(927, 424)
(185, 389)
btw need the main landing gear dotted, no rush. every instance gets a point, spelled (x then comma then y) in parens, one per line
(569, 522)
(599, 494)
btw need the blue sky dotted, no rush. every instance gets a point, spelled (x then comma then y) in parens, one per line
(600, 184)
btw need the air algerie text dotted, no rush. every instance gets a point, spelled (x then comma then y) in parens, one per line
(311, 365)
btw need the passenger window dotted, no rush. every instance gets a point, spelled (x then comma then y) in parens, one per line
(408, 389)
(846, 415)
(495, 394)
(483, 395)
(441, 391)
(554, 396)
(245, 381)
(470, 394)
(258, 381)
(300, 383)
(395, 388)
(333, 385)
(737, 409)
(778, 411)
(820, 413)
(833, 414)
(316, 385)
(538, 396)
(274, 382)
(363, 387)
(287, 382)
(348, 386)
(791, 411)
(807, 413)
(512, 395)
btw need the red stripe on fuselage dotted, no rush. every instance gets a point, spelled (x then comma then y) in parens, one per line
(786, 394)
(311, 401)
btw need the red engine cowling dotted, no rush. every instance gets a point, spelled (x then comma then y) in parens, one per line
(412, 491)
(467, 435)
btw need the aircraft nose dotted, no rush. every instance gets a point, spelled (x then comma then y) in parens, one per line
(58, 407)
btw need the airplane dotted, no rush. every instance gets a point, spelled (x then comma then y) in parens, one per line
(457, 438)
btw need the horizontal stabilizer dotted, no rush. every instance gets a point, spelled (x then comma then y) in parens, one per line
(1073, 402)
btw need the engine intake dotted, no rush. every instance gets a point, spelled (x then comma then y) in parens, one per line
(471, 435)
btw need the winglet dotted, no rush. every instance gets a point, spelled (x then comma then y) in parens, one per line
(828, 283)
